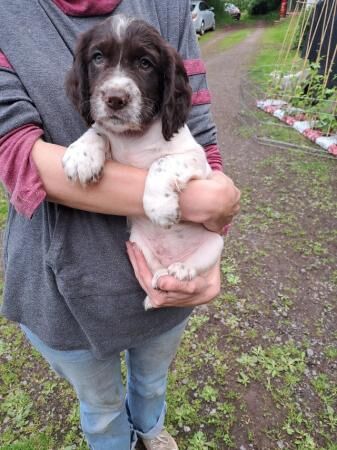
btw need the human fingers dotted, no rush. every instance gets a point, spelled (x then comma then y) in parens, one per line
(140, 267)
(226, 204)
(225, 181)
(158, 297)
(171, 291)
(201, 290)
(182, 288)
(165, 283)
(178, 300)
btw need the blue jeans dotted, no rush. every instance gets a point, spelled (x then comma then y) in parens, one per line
(110, 419)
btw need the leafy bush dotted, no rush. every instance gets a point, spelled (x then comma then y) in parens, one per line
(302, 28)
(218, 6)
(256, 7)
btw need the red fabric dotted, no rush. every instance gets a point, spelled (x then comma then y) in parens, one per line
(4, 62)
(288, 120)
(194, 66)
(17, 170)
(271, 109)
(213, 157)
(313, 135)
(333, 149)
(87, 7)
(201, 97)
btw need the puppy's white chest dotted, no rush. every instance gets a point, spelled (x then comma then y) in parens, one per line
(143, 150)
(137, 157)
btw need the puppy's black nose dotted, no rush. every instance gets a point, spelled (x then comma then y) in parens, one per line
(116, 99)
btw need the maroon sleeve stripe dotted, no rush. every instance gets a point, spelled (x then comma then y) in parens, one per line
(194, 67)
(213, 156)
(4, 62)
(82, 8)
(201, 97)
(17, 169)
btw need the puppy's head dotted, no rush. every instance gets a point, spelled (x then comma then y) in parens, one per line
(125, 75)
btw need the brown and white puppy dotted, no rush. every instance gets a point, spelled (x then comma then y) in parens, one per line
(131, 87)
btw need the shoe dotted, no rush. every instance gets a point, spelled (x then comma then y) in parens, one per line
(164, 441)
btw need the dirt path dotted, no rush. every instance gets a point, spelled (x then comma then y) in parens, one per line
(225, 71)
(282, 251)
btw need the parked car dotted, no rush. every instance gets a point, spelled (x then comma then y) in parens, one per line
(203, 16)
(232, 10)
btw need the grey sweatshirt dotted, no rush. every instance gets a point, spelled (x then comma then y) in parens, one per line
(67, 274)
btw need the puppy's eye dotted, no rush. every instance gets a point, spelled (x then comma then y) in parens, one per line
(98, 57)
(145, 63)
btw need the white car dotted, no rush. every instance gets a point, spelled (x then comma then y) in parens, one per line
(232, 10)
(203, 16)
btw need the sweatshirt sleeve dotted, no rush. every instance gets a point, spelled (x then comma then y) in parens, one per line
(200, 119)
(20, 127)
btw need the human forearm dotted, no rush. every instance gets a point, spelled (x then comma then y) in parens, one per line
(119, 192)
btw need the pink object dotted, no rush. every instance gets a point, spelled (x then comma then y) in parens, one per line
(301, 125)
(226, 229)
(4, 62)
(271, 109)
(87, 7)
(213, 157)
(17, 170)
(312, 134)
(333, 149)
(201, 97)
(289, 120)
(300, 117)
(194, 67)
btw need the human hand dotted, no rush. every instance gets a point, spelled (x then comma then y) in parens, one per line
(228, 207)
(172, 292)
(213, 202)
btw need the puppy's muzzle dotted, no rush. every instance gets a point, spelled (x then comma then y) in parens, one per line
(116, 99)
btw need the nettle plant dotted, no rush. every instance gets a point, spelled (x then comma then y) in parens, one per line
(316, 100)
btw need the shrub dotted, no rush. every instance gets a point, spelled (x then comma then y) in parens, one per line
(256, 7)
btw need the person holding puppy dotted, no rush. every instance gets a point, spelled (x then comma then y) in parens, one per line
(68, 277)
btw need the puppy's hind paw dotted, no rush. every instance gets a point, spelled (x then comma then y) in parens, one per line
(182, 271)
(147, 304)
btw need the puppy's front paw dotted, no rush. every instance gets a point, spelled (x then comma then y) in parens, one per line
(83, 163)
(162, 211)
(182, 271)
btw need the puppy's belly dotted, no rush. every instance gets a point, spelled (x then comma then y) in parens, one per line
(163, 247)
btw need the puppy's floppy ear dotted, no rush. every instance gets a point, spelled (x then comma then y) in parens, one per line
(177, 93)
(77, 81)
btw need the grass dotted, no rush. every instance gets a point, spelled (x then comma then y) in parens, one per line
(234, 38)
(268, 58)
(241, 348)
(270, 17)
(3, 208)
(224, 20)
(260, 85)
